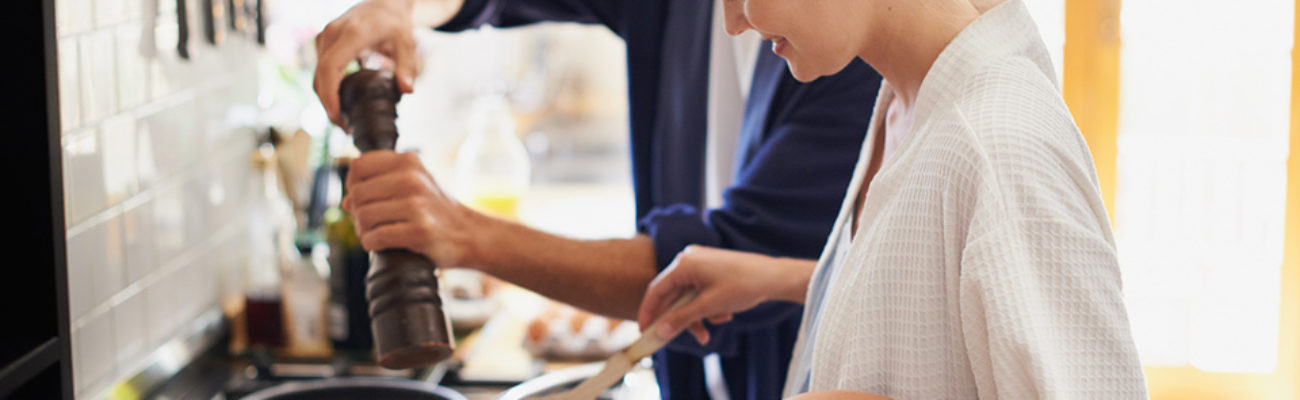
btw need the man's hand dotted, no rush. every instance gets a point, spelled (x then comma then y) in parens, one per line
(397, 204)
(726, 282)
(372, 26)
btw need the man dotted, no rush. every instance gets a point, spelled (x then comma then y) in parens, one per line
(728, 150)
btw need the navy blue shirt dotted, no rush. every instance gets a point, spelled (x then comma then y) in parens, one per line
(798, 146)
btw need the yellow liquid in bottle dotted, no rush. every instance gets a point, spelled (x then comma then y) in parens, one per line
(498, 204)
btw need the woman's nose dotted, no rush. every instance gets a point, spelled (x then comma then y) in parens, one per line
(734, 17)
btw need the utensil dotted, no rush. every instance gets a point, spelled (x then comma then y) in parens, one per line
(622, 362)
(182, 29)
(357, 388)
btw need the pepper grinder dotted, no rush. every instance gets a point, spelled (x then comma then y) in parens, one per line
(406, 315)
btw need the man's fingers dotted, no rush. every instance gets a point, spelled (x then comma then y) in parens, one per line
(406, 63)
(374, 215)
(720, 318)
(386, 187)
(332, 58)
(700, 332)
(392, 236)
(326, 84)
(375, 163)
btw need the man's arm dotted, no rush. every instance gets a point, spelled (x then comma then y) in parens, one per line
(606, 277)
(387, 27)
(397, 204)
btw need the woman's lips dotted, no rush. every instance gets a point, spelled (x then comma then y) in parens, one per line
(780, 46)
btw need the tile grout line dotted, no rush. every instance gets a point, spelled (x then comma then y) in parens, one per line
(167, 268)
(178, 178)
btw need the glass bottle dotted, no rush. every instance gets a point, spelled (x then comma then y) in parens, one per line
(492, 165)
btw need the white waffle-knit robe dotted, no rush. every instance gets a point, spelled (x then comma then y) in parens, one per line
(983, 265)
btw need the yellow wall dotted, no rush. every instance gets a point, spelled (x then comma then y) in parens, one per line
(1091, 88)
(1091, 84)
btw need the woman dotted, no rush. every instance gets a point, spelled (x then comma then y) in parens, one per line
(972, 257)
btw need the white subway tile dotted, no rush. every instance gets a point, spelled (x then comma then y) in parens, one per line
(230, 259)
(106, 271)
(168, 72)
(201, 221)
(80, 291)
(130, 332)
(72, 17)
(173, 138)
(98, 91)
(162, 300)
(134, 10)
(145, 162)
(169, 216)
(167, 6)
(93, 354)
(138, 238)
(84, 183)
(109, 12)
(234, 181)
(199, 285)
(94, 266)
(214, 108)
(69, 91)
(120, 173)
(132, 68)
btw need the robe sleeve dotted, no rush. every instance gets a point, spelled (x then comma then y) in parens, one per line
(1043, 314)
(512, 13)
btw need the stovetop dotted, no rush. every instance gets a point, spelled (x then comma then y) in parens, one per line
(216, 375)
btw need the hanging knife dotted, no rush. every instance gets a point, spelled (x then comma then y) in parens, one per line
(213, 12)
(182, 30)
(238, 15)
(259, 16)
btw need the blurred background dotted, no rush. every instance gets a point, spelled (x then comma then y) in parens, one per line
(205, 246)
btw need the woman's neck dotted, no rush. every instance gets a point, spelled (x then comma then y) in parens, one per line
(908, 37)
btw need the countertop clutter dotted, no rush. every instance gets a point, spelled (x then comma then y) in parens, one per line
(510, 341)
(307, 322)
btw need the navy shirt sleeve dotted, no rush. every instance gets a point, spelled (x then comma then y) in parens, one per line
(787, 192)
(510, 13)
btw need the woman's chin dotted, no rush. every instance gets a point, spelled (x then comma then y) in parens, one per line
(804, 74)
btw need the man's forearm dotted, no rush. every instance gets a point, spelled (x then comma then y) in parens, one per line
(433, 13)
(606, 277)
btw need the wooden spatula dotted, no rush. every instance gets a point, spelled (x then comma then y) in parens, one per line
(622, 362)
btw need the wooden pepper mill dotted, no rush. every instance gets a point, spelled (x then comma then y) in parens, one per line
(406, 315)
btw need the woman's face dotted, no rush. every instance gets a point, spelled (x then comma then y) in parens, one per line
(809, 34)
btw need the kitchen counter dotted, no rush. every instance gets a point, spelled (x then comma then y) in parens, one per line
(584, 211)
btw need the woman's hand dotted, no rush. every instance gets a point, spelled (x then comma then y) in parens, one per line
(372, 26)
(397, 204)
(726, 282)
(839, 395)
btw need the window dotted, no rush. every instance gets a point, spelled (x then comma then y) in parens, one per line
(1201, 194)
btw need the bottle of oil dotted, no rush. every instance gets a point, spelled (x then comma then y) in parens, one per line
(492, 166)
